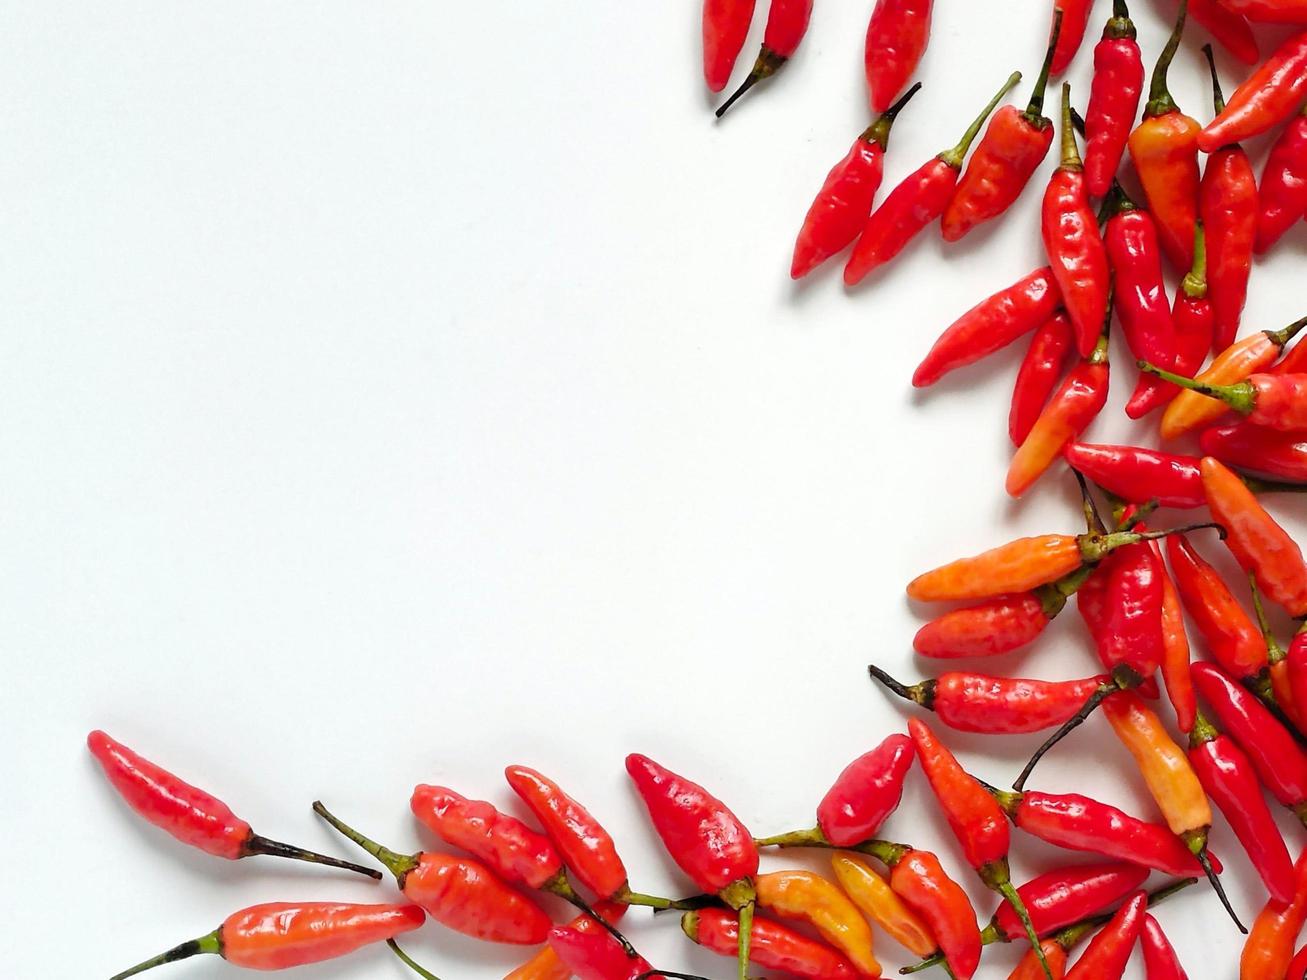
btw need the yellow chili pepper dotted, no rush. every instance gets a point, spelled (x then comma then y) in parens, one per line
(810, 898)
(873, 896)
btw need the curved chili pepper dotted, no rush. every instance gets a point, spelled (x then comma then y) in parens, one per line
(583, 844)
(1228, 206)
(876, 900)
(1164, 148)
(896, 39)
(1241, 359)
(841, 207)
(1072, 17)
(975, 818)
(1194, 320)
(774, 946)
(1279, 454)
(1268, 952)
(1230, 29)
(705, 839)
(459, 893)
(1280, 764)
(1273, 401)
(787, 23)
(1259, 544)
(1113, 100)
(1139, 475)
(191, 815)
(1038, 377)
(1226, 628)
(1160, 959)
(991, 325)
(1013, 147)
(995, 705)
(725, 28)
(546, 964)
(1271, 95)
(1175, 642)
(1283, 191)
(1170, 778)
(866, 792)
(918, 200)
(1106, 955)
(1065, 896)
(595, 955)
(811, 899)
(277, 936)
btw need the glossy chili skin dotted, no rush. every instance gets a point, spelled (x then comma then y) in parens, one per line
(282, 935)
(991, 325)
(1138, 475)
(705, 839)
(1282, 195)
(1107, 954)
(1176, 656)
(1065, 896)
(920, 880)
(1113, 100)
(974, 816)
(1268, 951)
(1194, 320)
(1272, 94)
(787, 23)
(1298, 967)
(1131, 629)
(1228, 631)
(1282, 455)
(1039, 374)
(808, 897)
(990, 628)
(876, 899)
(866, 792)
(971, 702)
(1075, 21)
(1030, 968)
(1261, 546)
(1160, 959)
(547, 965)
(897, 36)
(1279, 762)
(840, 209)
(725, 28)
(774, 947)
(1230, 29)
(594, 955)
(1272, 401)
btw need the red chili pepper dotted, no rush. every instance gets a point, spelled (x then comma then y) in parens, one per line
(595, 955)
(1164, 148)
(189, 814)
(1062, 897)
(995, 705)
(278, 936)
(1040, 372)
(1296, 668)
(459, 893)
(991, 325)
(842, 205)
(1229, 632)
(774, 946)
(705, 839)
(1250, 447)
(1230, 29)
(920, 880)
(725, 28)
(546, 964)
(1107, 954)
(1261, 546)
(916, 202)
(1228, 778)
(1160, 959)
(1113, 100)
(1013, 147)
(1074, 19)
(1130, 237)
(1269, 950)
(1139, 475)
(1298, 968)
(787, 23)
(1283, 192)
(866, 793)
(1271, 95)
(975, 818)
(1194, 320)
(1272, 401)
(896, 39)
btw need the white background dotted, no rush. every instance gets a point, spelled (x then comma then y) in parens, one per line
(390, 392)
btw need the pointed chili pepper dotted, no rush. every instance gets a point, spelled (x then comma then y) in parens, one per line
(1282, 196)
(1280, 764)
(866, 792)
(1273, 401)
(1130, 236)
(1259, 544)
(787, 23)
(1271, 95)
(1160, 959)
(546, 965)
(1139, 475)
(841, 207)
(1108, 952)
(459, 893)
(278, 936)
(705, 839)
(1228, 778)
(875, 899)
(1269, 949)
(1038, 377)
(1244, 358)
(774, 947)
(916, 202)
(189, 814)
(1073, 18)
(1194, 321)
(1062, 897)
(1277, 660)
(812, 899)
(1298, 968)
(995, 705)
(1250, 447)
(1228, 207)
(896, 39)
(991, 325)
(974, 817)
(1164, 148)
(1071, 241)
(1013, 147)
(1113, 100)
(1230, 29)
(725, 28)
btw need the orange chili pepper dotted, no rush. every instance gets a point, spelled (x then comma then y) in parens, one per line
(1261, 546)
(875, 899)
(1277, 660)
(1030, 967)
(1175, 641)
(810, 898)
(1269, 947)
